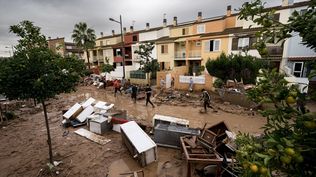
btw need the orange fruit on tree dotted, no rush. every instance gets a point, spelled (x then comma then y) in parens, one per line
(254, 168)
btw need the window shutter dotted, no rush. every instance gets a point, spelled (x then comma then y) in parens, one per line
(246, 42)
(216, 45)
(162, 49)
(207, 46)
(252, 42)
(235, 44)
(276, 17)
(166, 48)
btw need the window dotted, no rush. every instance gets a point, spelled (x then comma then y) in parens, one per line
(298, 69)
(108, 42)
(185, 31)
(198, 43)
(213, 45)
(164, 48)
(118, 52)
(201, 29)
(101, 43)
(134, 38)
(243, 43)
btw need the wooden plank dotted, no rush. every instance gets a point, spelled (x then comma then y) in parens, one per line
(92, 136)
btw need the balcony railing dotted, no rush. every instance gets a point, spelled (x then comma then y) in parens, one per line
(275, 50)
(180, 55)
(195, 54)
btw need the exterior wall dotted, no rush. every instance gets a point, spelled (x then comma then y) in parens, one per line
(108, 53)
(177, 31)
(148, 36)
(224, 40)
(181, 71)
(57, 46)
(163, 32)
(230, 22)
(128, 38)
(166, 57)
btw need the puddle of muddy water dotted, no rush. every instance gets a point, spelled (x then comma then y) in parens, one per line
(169, 164)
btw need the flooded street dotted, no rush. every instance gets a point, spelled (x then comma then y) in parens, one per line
(24, 152)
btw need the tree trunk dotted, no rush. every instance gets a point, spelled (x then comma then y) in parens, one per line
(88, 59)
(49, 142)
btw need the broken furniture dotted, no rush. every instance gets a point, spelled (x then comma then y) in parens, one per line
(139, 144)
(214, 135)
(196, 154)
(82, 117)
(88, 102)
(169, 135)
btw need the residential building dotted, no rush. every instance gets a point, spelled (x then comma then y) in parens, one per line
(290, 57)
(59, 46)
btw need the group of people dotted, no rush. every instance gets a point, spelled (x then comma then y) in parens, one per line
(133, 89)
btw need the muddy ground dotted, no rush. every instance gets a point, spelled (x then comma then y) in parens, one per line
(24, 151)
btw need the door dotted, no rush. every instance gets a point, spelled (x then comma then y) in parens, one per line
(168, 80)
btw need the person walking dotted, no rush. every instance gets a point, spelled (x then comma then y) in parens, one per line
(206, 98)
(148, 91)
(134, 92)
(117, 87)
(191, 85)
(172, 83)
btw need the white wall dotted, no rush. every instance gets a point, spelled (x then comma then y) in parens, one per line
(163, 32)
(147, 36)
(109, 54)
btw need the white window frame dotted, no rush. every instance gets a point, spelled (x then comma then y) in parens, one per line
(243, 42)
(301, 71)
(219, 45)
(200, 29)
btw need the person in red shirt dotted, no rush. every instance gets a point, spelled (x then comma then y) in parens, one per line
(117, 87)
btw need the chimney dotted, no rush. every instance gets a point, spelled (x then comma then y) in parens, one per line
(113, 32)
(164, 22)
(124, 30)
(229, 11)
(49, 38)
(131, 29)
(287, 3)
(101, 33)
(199, 17)
(147, 26)
(175, 21)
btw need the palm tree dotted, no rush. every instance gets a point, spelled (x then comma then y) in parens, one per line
(84, 37)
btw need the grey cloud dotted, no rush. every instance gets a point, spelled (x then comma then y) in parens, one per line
(58, 17)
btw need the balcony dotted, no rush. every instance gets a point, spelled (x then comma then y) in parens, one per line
(275, 51)
(194, 54)
(118, 59)
(179, 55)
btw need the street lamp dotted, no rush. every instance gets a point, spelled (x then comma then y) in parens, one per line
(122, 43)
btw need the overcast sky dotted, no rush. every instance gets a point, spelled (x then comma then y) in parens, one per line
(58, 17)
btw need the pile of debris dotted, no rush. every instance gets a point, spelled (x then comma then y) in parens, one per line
(180, 98)
(214, 147)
